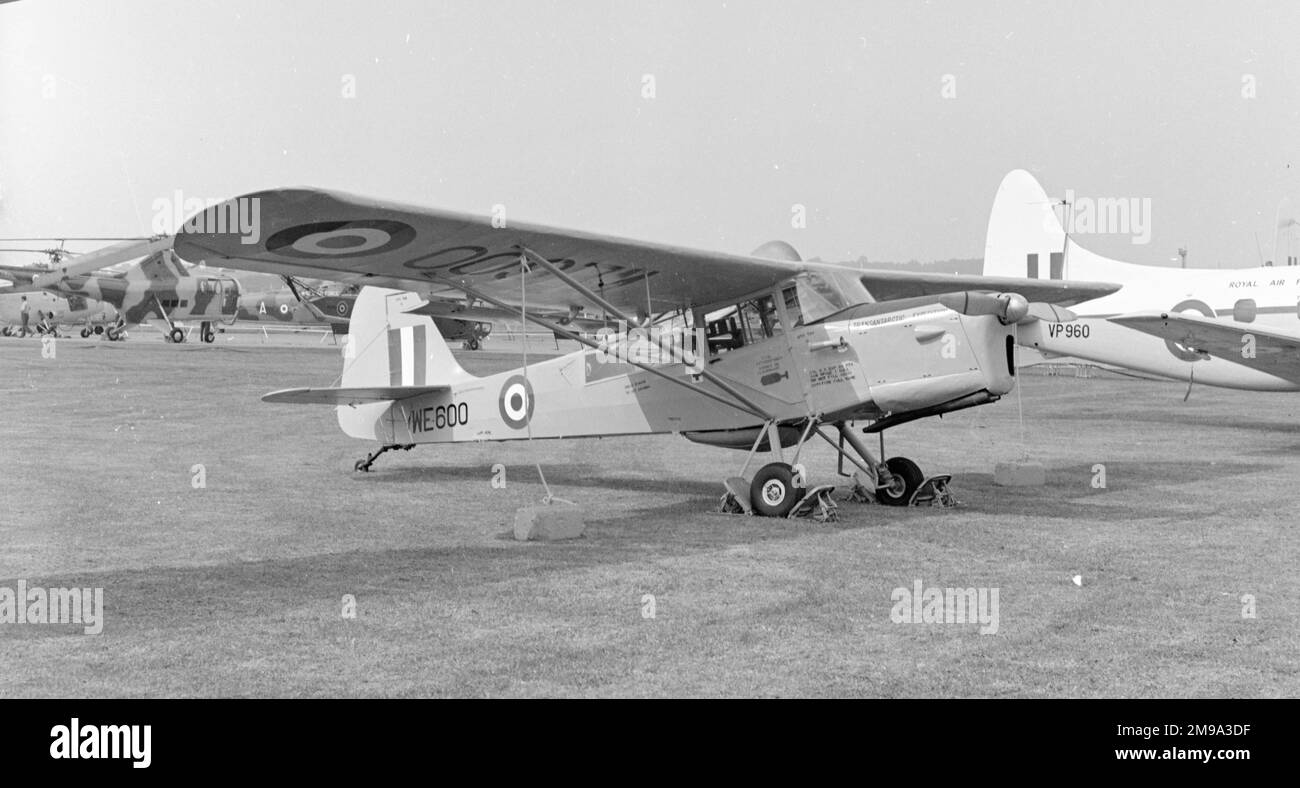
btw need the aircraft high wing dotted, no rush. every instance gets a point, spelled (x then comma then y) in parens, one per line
(753, 352)
(359, 240)
(1271, 352)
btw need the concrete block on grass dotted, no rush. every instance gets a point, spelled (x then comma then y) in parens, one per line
(549, 523)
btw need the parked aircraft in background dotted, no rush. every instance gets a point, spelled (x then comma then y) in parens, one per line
(308, 304)
(64, 311)
(1230, 327)
(159, 286)
(86, 314)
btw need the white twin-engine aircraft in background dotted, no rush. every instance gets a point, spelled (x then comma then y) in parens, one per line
(786, 349)
(1230, 327)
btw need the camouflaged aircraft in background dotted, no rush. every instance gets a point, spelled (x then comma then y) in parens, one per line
(158, 287)
(62, 311)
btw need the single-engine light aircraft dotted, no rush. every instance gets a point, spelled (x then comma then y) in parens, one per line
(757, 353)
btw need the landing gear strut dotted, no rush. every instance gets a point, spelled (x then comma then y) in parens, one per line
(363, 466)
(779, 489)
(206, 333)
(895, 482)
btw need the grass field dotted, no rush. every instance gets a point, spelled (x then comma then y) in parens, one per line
(236, 589)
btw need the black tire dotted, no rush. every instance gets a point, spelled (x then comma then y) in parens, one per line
(177, 335)
(773, 493)
(99, 329)
(907, 477)
(111, 333)
(85, 332)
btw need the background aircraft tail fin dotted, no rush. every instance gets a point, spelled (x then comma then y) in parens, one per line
(388, 346)
(161, 266)
(1025, 237)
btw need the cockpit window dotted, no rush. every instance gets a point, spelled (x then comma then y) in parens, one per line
(744, 324)
(813, 297)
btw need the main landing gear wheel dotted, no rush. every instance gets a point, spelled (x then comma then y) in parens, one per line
(177, 335)
(112, 334)
(85, 333)
(472, 344)
(773, 492)
(907, 477)
(207, 334)
(99, 330)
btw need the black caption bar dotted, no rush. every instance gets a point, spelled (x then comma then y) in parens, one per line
(146, 738)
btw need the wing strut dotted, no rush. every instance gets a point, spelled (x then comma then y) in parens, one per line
(737, 400)
(582, 289)
(315, 311)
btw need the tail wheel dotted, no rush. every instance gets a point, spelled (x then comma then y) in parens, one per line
(907, 477)
(773, 492)
(177, 335)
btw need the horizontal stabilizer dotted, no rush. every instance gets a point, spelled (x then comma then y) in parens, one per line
(1273, 352)
(350, 396)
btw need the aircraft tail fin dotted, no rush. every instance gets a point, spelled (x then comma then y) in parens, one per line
(161, 266)
(1025, 236)
(389, 347)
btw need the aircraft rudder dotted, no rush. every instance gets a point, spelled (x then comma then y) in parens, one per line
(391, 345)
(1024, 231)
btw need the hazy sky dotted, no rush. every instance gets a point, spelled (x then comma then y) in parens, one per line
(840, 107)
